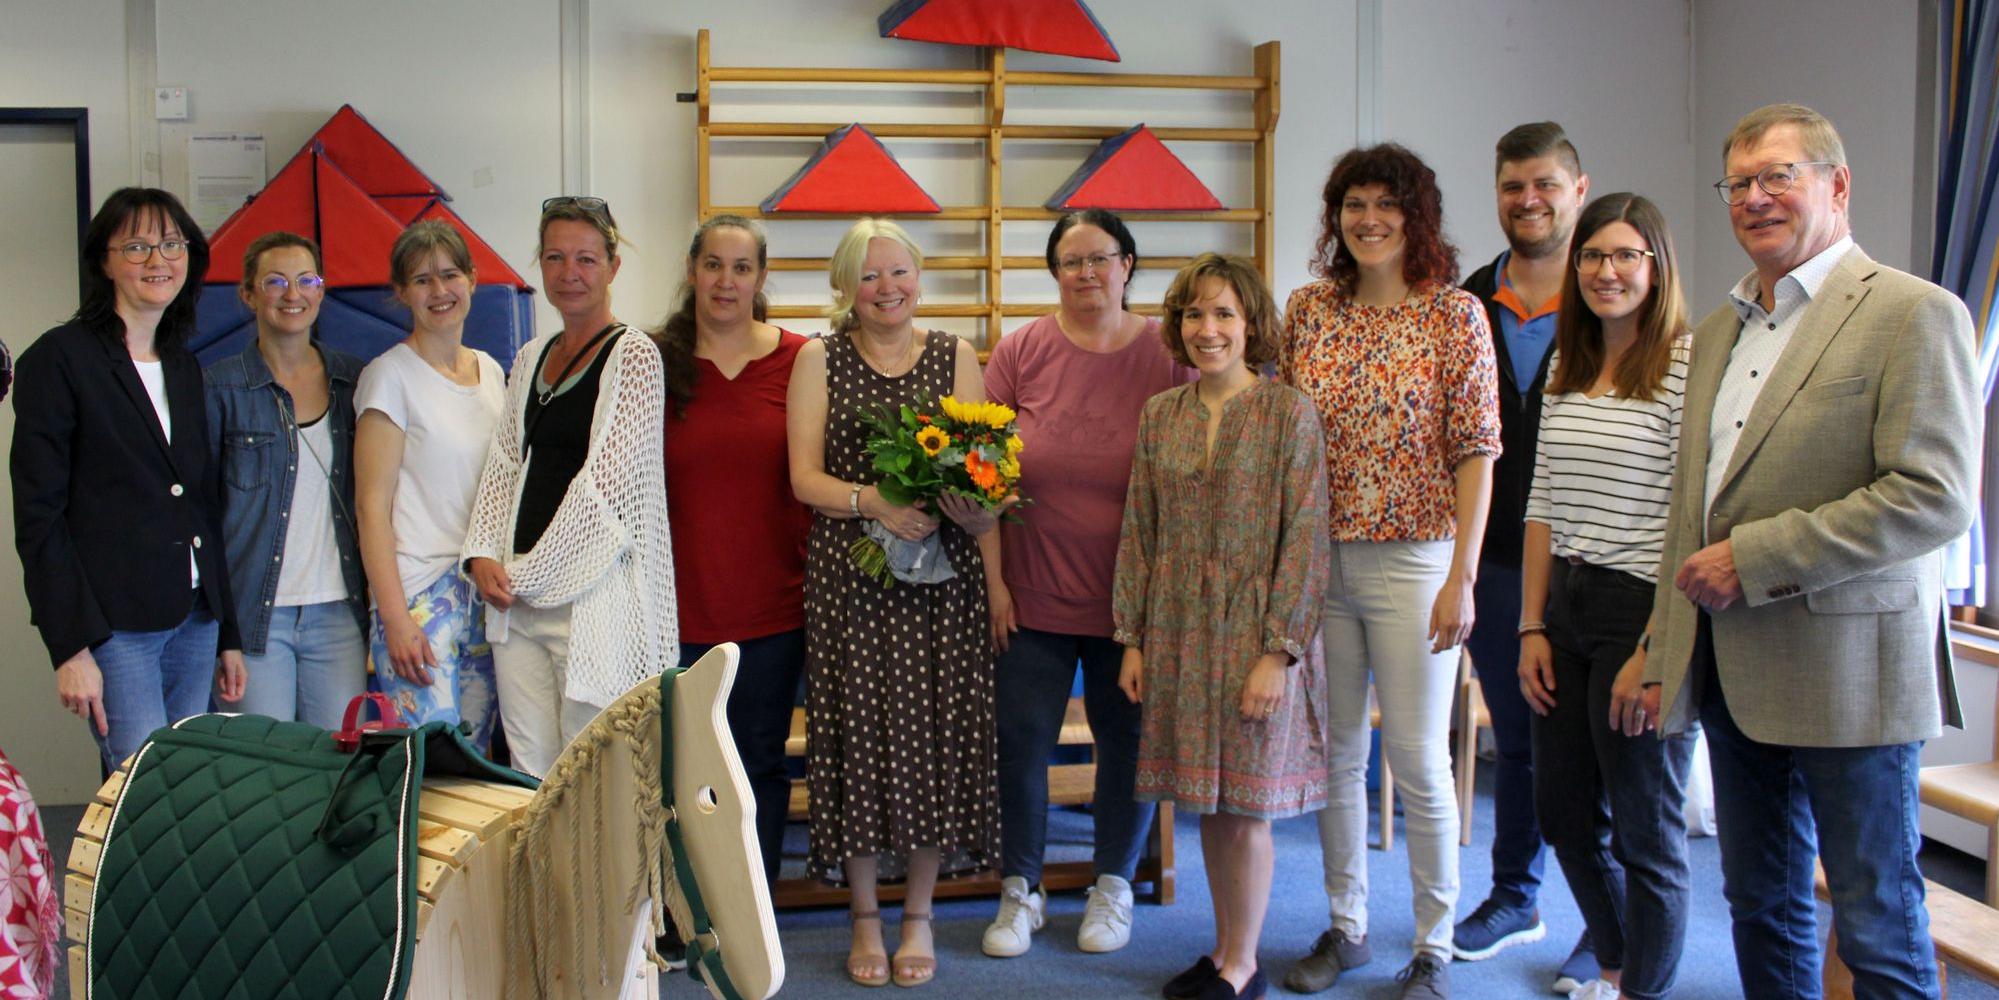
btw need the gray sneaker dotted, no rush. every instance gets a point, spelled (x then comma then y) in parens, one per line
(1332, 954)
(1424, 978)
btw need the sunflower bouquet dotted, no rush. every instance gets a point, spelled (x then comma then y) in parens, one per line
(970, 450)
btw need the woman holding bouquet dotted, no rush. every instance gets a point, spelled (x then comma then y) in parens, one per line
(1220, 566)
(899, 678)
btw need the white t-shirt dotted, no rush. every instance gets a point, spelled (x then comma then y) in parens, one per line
(153, 375)
(446, 428)
(310, 573)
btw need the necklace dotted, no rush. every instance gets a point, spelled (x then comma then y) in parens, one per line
(886, 371)
(543, 396)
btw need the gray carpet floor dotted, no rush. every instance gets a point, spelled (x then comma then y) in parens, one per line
(1166, 938)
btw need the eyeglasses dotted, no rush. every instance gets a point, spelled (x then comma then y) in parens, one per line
(139, 251)
(1774, 179)
(1077, 265)
(1623, 260)
(276, 285)
(594, 206)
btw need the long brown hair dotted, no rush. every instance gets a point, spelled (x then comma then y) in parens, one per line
(676, 336)
(1579, 333)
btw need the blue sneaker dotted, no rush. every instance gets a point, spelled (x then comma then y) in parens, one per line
(1579, 969)
(1494, 926)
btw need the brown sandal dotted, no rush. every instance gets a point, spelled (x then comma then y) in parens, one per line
(915, 970)
(873, 960)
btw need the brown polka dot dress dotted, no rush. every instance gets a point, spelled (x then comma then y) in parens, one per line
(899, 681)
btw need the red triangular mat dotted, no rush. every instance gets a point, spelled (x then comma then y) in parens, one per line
(355, 235)
(285, 203)
(1134, 171)
(852, 172)
(1061, 27)
(491, 266)
(367, 156)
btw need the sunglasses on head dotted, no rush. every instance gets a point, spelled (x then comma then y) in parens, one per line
(594, 206)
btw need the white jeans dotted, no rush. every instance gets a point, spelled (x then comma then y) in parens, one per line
(529, 668)
(1377, 613)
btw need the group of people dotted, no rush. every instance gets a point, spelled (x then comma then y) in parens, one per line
(1242, 518)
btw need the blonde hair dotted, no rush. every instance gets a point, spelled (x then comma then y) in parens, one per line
(1820, 139)
(844, 271)
(417, 244)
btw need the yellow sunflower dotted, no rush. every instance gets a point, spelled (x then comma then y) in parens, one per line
(933, 440)
(992, 415)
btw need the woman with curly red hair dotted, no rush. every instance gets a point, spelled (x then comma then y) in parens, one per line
(1400, 364)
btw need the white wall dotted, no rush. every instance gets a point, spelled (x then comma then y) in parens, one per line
(1855, 61)
(643, 156)
(71, 53)
(1455, 76)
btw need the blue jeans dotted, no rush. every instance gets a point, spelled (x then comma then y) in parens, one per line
(152, 679)
(1612, 806)
(1031, 692)
(1855, 808)
(315, 661)
(1517, 850)
(767, 674)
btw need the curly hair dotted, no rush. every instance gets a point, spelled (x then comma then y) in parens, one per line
(1427, 256)
(1264, 336)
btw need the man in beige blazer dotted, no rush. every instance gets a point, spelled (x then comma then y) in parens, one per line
(1830, 449)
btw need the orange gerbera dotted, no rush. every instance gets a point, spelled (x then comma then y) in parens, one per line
(985, 474)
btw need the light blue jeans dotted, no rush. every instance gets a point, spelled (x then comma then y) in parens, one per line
(315, 661)
(152, 679)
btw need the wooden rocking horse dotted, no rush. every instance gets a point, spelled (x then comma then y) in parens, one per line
(237, 856)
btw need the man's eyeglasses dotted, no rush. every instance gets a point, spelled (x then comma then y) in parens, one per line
(1774, 179)
(139, 251)
(1095, 262)
(276, 285)
(594, 206)
(1623, 260)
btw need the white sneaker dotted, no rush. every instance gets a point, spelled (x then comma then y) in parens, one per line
(1107, 918)
(1021, 913)
(1595, 989)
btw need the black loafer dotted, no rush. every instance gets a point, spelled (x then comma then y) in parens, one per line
(1188, 984)
(1219, 988)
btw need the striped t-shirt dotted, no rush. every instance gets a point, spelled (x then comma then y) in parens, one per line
(1603, 473)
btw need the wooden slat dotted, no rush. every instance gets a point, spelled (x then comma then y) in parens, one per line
(483, 820)
(1036, 213)
(78, 966)
(948, 130)
(446, 843)
(1071, 784)
(424, 908)
(971, 310)
(1179, 81)
(431, 876)
(76, 891)
(1967, 790)
(96, 821)
(84, 853)
(76, 924)
(507, 798)
(1075, 726)
(108, 792)
(794, 744)
(808, 74)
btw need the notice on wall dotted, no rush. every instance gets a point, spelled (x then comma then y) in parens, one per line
(223, 170)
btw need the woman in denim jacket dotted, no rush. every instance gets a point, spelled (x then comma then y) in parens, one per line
(281, 424)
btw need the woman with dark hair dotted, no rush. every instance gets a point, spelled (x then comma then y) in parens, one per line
(1227, 513)
(1401, 366)
(1608, 792)
(281, 429)
(568, 539)
(427, 407)
(1077, 379)
(116, 505)
(738, 532)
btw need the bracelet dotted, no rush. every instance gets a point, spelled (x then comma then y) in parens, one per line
(854, 500)
(1529, 628)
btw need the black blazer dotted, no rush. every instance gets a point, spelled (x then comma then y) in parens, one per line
(104, 508)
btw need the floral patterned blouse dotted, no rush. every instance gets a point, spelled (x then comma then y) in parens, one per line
(1406, 392)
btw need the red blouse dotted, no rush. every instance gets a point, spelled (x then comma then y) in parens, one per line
(738, 532)
(1406, 392)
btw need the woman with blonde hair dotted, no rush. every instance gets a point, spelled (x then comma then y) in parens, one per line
(568, 539)
(900, 679)
(427, 407)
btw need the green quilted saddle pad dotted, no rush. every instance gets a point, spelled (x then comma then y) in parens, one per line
(251, 858)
